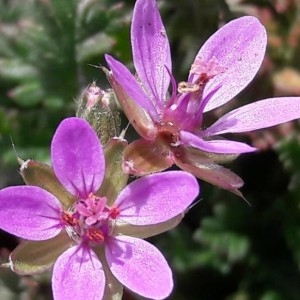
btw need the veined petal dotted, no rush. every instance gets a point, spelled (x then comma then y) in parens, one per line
(139, 266)
(157, 198)
(260, 114)
(29, 212)
(151, 50)
(77, 157)
(214, 146)
(238, 46)
(131, 86)
(78, 274)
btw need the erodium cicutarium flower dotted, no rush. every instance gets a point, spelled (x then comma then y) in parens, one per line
(33, 213)
(171, 124)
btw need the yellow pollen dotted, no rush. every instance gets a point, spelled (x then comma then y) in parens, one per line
(187, 87)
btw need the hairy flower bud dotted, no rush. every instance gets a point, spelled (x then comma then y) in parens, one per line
(99, 108)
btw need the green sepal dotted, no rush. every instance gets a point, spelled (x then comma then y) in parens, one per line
(33, 257)
(113, 288)
(146, 231)
(115, 179)
(136, 115)
(41, 175)
(209, 157)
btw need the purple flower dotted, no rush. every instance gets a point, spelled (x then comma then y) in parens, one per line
(78, 162)
(171, 126)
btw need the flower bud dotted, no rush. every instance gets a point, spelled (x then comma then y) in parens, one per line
(99, 108)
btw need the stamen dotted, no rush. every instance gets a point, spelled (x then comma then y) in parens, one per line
(95, 235)
(187, 87)
(114, 212)
(69, 219)
(90, 219)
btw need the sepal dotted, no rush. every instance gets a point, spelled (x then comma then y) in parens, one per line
(142, 157)
(136, 115)
(113, 288)
(115, 179)
(145, 231)
(33, 257)
(41, 175)
(208, 170)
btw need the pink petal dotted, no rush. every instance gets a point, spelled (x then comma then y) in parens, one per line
(78, 274)
(131, 86)
(239, 46)
(214, 146)
(77, 157)
(139, 266)
(157, 198)
(260, 114)
(29, 212)
(151, 50)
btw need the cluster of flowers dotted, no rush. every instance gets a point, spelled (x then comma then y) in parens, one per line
(81, 217)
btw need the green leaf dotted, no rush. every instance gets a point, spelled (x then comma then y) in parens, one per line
(27, 94)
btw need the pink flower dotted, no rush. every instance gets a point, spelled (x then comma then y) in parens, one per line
(171, 126)
(78, 162)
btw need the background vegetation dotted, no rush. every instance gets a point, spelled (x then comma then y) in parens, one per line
(224, 249)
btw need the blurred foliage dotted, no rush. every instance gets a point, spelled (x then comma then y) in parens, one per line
(47, 52)
(224, 249)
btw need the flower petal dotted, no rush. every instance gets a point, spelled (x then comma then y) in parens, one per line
(215, 146)
(131, 86)
(78, 274)
(77, 157)
(157, 198)
(238, 46)
(260, 114)
(29, 212)
(151, 50)
(139, 266)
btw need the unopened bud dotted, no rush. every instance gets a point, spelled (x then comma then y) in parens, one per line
(99, 108)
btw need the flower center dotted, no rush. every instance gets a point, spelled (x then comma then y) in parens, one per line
(90, 220)
(201, 72)
(169, 133)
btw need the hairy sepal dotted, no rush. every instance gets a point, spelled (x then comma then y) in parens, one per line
(136, 115)
(41, 175)
(33, 257)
